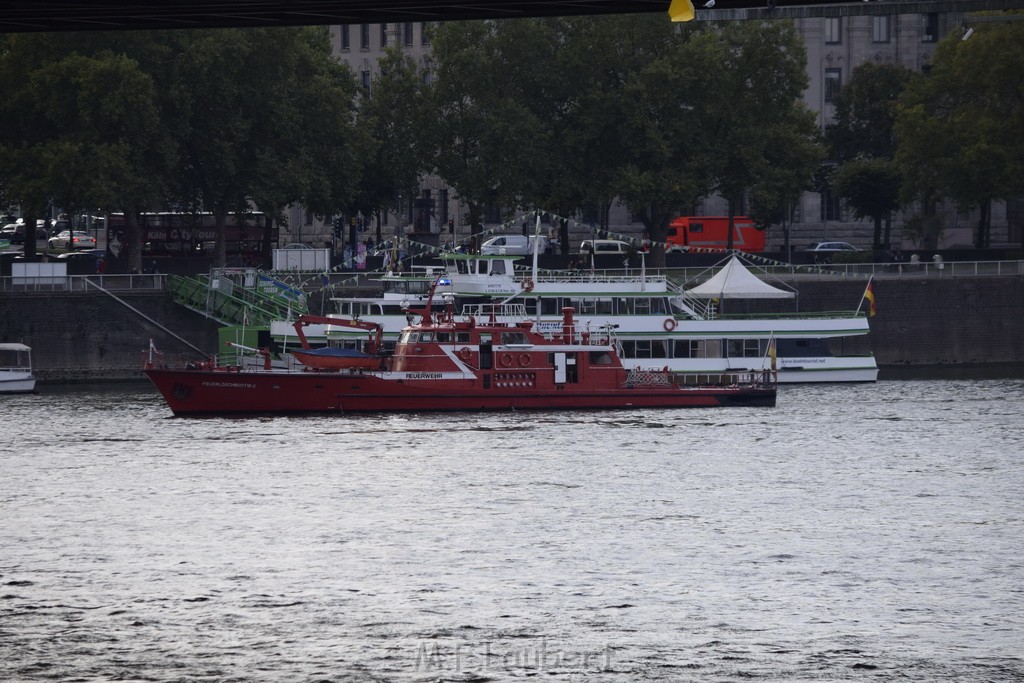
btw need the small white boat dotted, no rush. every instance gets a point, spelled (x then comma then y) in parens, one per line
(16, 369)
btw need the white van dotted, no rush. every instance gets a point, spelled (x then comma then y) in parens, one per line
(513, 245)
(604, 247)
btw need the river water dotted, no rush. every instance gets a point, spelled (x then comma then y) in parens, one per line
(864, 532)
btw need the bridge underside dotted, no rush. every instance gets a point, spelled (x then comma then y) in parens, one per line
(17, 16)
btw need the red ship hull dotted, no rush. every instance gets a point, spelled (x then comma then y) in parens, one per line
(451, 364)
(215, 392)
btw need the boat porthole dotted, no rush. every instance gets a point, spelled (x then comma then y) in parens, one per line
(524, 359)
(506, 360)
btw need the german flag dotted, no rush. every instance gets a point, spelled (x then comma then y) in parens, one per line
(869, 294)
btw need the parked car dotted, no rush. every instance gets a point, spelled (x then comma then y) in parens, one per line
(80, 240)
(514, 245)
(599, 247)
(83, 262)
(15, 232)
(832, 247)
(823, 251)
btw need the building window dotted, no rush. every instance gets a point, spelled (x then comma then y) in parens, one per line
(833, 30)
(931, 27)
(424, 33)
(364, 36)
(833, 84)
(383, 35)
(407, 31)
(830, 206)
(880, 29)
(365, 78)
(344, 37)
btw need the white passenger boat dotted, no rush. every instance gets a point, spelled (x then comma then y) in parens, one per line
(659, 324)
(16, 369)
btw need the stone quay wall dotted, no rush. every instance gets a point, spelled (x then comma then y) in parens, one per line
(88, 336)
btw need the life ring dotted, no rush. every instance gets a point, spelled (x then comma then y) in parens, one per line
(670, 324)
(524, 360)
(527, 284)
(465, 353)
(506, 360)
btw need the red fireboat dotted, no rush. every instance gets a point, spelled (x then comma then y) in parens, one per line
(445, 362)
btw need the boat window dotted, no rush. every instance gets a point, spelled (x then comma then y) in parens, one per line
(531, 306)
(623, 307)
(444, 337)
(482, 267)
(658, 306)
(497, 267)
(641, 305)
(604, 306)
(513, 338)
(690, 348)
(462, 267)
(550, 305)
(462, 338)
(585, 306)
(407, 338)
(744, 348)
(426, 337)
(600, 358)
(645, 348)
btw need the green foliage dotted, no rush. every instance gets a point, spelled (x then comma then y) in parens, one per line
(865, 113)
(871, 190)
(393, 120)
(210, 119)
(961, 129)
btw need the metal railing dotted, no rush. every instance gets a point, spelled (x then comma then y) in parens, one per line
(153, 282)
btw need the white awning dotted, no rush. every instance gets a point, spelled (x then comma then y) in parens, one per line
(736, 282)
(14, 347)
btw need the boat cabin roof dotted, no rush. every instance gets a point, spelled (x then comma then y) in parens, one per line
(14, 346)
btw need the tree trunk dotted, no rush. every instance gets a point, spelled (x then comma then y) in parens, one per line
(930, 227)
(220, 215)
(475, 229)
(877, 238)
(732, 225)
(132, 240)
(888, 231)
(267, 246)
(29, 247)
(983, 237)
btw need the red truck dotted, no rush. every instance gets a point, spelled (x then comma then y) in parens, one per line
(712, 232)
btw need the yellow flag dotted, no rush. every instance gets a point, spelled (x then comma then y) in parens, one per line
(680, 10)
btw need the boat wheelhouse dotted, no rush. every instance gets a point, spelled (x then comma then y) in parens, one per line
(16, 369)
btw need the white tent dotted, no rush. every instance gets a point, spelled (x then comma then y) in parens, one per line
(736, 282)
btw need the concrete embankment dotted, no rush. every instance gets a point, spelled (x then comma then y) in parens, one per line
(934, 321)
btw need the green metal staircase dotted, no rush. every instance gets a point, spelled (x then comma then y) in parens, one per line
(229, 303)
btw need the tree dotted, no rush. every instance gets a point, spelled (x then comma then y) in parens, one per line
(865, 113)
(263, 116)
(758, 100)
(485, 134)
(871, 188)
(393, 119)
(961, 128)
(81, 128)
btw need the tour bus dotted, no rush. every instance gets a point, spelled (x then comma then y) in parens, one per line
(175, 234)
(712, 232)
